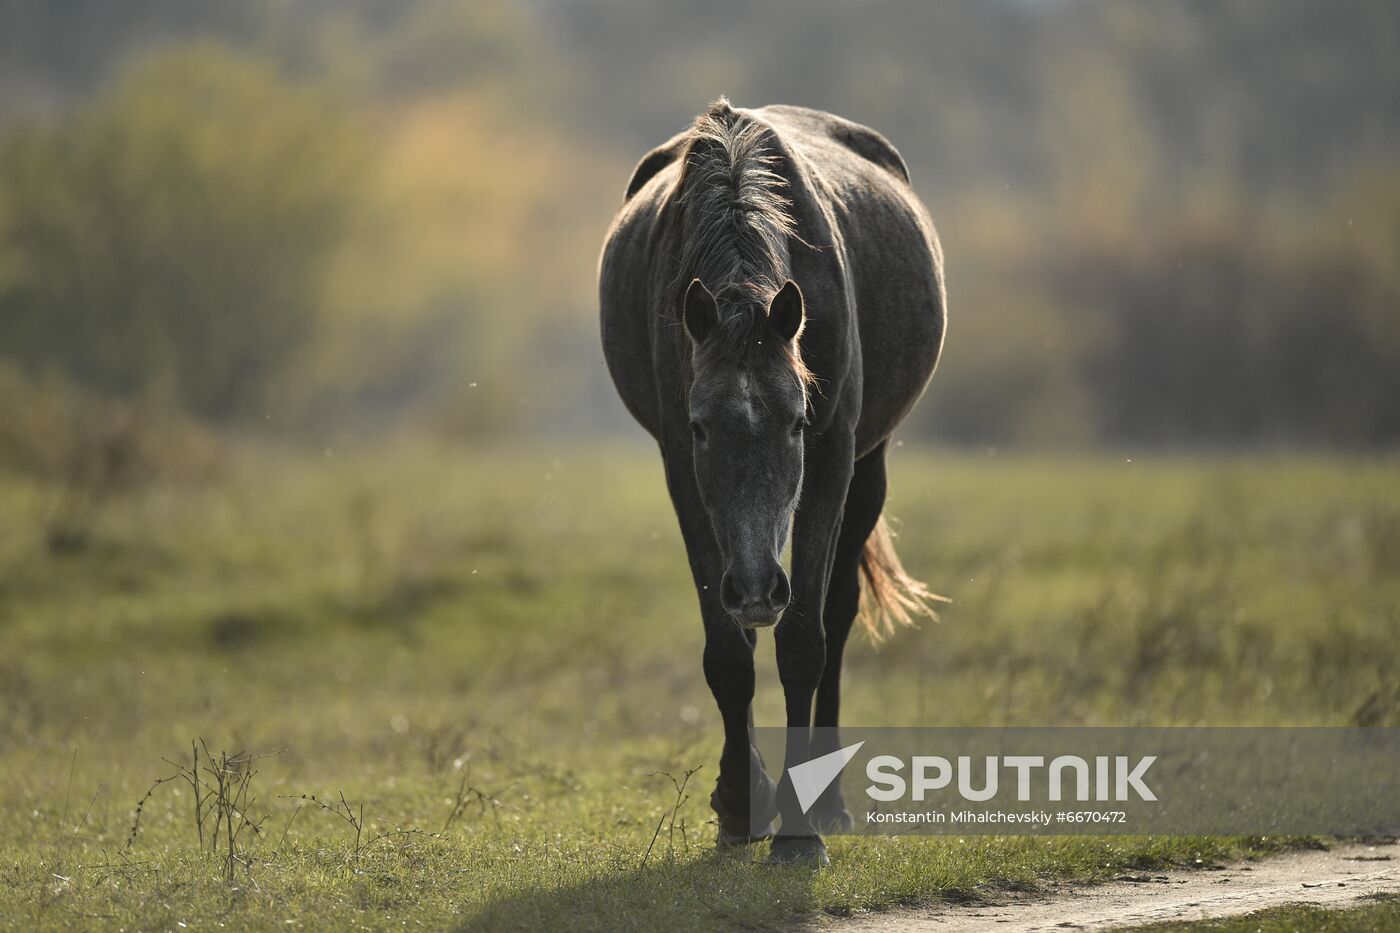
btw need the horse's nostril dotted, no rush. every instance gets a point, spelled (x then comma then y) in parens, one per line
(729, 594)
(781, 593)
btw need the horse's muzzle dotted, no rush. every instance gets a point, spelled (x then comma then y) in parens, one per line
(756, 598)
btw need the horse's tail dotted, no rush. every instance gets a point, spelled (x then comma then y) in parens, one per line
(890, 598)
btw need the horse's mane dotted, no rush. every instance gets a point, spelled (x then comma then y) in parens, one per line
(735, 240)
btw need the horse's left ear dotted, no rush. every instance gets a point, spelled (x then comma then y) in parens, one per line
(700, 314)
(785, 311)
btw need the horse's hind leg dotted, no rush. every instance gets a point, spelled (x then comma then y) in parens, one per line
(864, 502)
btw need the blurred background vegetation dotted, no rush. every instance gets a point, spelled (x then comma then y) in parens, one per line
(306, 443)
(1165, 224)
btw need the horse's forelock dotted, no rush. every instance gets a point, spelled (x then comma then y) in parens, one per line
(735, 238)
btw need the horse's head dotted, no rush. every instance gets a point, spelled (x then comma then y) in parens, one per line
(748, 408)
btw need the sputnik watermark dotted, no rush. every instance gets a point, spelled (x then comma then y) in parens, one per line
(933, 773)
(970, 817)
(1339, 781)
(811, 778)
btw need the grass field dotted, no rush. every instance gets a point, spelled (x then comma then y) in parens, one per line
(498, 649)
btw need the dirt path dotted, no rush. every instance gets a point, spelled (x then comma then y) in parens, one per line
(1336, 878)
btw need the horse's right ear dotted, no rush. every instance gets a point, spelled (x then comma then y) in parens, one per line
(700, 314)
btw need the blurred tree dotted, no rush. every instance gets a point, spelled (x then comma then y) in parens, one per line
(1164, 223)
(477, 267)
(171, 237)
(1235, 327)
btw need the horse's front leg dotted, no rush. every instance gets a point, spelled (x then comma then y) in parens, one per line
(744, 796)
(800, 636)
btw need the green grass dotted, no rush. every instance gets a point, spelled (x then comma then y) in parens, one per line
(1379, 914)
(399, 624)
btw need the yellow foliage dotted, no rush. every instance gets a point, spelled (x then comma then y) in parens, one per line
(481, 235)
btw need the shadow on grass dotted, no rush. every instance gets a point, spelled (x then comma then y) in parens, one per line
(714, 891)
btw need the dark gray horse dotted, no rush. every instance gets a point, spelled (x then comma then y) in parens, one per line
(772, 307)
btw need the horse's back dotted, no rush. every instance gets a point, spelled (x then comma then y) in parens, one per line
(853, 137)
(655, 162)
(807, 125)
(893, 258)
(630, 273)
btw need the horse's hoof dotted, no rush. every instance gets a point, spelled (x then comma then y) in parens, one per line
(735, 828)
(728, 840)
(799, 850)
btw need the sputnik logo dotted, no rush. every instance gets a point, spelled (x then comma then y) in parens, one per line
(810, 778)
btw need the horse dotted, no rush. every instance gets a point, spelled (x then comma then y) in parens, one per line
(772, 306)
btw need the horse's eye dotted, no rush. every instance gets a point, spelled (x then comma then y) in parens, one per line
(697, 431)
(797, 428)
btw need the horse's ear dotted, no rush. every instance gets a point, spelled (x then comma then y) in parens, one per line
(785, 311)
(700, 313)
